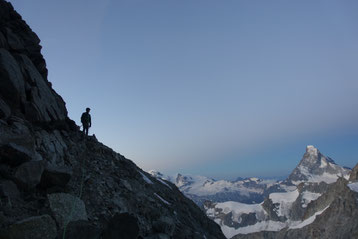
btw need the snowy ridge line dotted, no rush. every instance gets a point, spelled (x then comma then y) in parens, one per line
(308, 220)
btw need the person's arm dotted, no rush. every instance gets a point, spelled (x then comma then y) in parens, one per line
(90, 122)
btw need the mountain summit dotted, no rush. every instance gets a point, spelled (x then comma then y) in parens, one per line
(315, 167)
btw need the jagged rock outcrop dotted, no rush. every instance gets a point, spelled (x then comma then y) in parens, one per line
(54, 182)
(24, 89)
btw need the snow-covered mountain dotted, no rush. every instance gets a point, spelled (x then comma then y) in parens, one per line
(309, 190)
(315, 167)
(201, 188)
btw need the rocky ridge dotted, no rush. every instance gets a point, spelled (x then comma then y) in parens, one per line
(54, 183)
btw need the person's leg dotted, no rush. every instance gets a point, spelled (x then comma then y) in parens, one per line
(85, 129)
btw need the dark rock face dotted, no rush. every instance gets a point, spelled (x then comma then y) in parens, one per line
(53, 181)
(123, 226)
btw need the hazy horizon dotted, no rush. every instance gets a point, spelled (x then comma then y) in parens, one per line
(223, 89)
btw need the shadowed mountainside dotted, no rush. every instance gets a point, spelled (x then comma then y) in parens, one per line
(52, 180)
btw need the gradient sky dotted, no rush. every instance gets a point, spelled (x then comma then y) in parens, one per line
(217, 88)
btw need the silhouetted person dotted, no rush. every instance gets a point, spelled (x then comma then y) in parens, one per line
(86, 121)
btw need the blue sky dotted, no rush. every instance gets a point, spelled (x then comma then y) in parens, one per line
(217, 88)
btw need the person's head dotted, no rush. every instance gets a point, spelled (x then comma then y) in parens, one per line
(88, 110)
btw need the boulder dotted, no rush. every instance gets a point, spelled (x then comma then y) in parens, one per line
(81, 230)
(52, 146)
(40, 227)
(8, 189)
(123, 225)
(56, 176)
(28, 175)
(14, 154)
(67, 208)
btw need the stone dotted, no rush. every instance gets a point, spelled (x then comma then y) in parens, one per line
(52, 146)
(28, 175)
(56, 176)
(14, 154)
(67, 208)
(8, 189)
(123, 225)
(40, 227)
(81, 230)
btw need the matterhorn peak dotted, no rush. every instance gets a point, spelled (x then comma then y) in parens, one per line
(315, 167)
(312, 150)
(312, 156)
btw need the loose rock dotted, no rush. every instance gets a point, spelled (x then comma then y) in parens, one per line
(28, 175)
(67, 208)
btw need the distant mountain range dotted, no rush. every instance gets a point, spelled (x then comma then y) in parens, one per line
(256, 208)
(201, 188)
